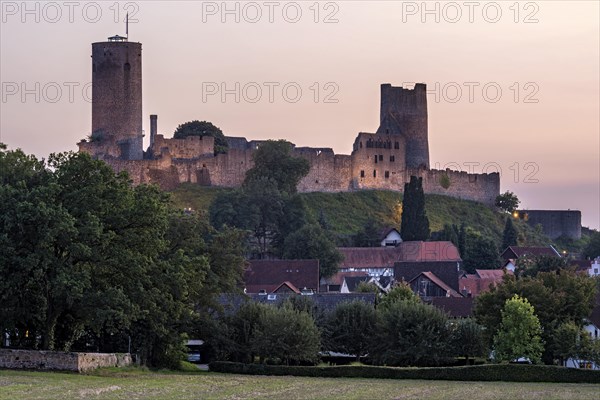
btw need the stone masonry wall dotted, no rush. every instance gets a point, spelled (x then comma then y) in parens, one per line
(64, 361)
(189, 148)
(556, 223)
(477, 187)
(329, 172)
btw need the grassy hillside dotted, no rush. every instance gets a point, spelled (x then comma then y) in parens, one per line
(348, 212)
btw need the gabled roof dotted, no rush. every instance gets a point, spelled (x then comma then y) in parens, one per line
(289, 285)
(512, 252)
(386, 231)
(496, 274)
(268, 275)
(353, 281)
(480, 281)
(455, 307)
(437, 281)
(385, 257)
(447, 271)
(369, 257)
(338, 277)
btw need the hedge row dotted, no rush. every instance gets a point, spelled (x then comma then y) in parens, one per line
(493, 372)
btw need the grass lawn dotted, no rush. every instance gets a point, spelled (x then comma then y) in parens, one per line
(110, 384)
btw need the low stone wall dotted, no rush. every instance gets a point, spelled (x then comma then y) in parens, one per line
(55, 360)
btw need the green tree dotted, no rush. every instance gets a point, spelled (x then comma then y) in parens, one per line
(274, 160)
(567, 341)
(592, 249)
(481, 253)
(311, 242)
(449, 233)
(350, 327)
(557, 298)
(257, 209)
(532, 265)
(462, 240)
(466, 339)
(510, 234)
(520, 332)
(287, 336)
(507, 202)
(368, 236)
(242, 330)
(203, 128)
(400, 292)
(415, 225)
(90, 260)
(410, 333)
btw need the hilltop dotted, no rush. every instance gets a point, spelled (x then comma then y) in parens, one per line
(348, 212)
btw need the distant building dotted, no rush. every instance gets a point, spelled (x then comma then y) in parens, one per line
(555, 223)
(511, 254)
(472, 285)
(390, 237)
(385, 159)
(270, 276)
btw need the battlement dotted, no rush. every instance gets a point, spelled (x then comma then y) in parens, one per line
(404, 112)
(190, 147)
(402, 101)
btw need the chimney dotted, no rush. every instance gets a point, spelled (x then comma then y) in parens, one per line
(153, 125)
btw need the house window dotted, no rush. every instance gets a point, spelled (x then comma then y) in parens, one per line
(381, 157)
(392, 158)
(375, 158)
(374, 173)
(396, 145)
(387, 174)
(360, 145)
(362, 173)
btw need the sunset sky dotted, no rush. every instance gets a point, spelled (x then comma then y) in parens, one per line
(542, 131)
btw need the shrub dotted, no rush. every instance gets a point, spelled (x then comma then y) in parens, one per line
(496, 372)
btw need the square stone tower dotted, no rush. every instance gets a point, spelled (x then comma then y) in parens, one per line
(404, 112)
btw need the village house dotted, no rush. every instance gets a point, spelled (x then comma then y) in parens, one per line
(512, 253)
(279, 276)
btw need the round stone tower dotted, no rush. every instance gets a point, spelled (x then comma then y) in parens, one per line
(117, 96)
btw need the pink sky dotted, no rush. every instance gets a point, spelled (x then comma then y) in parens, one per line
(542, 131)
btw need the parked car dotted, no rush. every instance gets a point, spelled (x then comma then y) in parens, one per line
(194, 357)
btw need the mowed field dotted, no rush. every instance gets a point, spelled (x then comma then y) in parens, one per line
(207, 385)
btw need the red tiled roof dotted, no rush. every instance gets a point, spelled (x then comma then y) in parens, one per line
(369, 257)
(433, 278)
(475, 284)
(429, 251)
(385, 257)
(268, 275)
(496, 274)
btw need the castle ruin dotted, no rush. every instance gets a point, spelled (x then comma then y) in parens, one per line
(382, 160)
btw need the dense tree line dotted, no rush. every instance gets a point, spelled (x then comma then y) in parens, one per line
(535, 317)
(401, 330)
(90, 262)
(559, 296)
